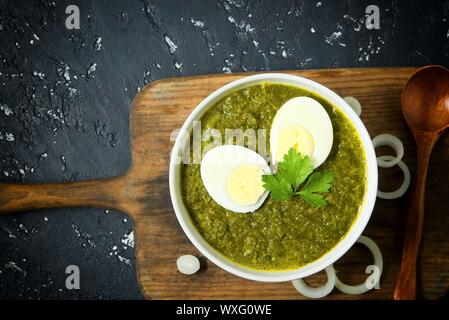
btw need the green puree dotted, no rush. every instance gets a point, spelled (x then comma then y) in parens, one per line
(280, 235)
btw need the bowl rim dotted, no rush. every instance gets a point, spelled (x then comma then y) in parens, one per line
(328, 258)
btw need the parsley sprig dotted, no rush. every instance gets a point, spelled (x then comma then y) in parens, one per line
(290, 180)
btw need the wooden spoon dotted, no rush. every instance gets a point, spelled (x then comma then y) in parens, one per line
(425, 106)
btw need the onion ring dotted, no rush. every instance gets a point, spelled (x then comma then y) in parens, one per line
(319, 292)
(188, 264)
(393, 142)
(373, 278)
(404, 186)
(354, 104)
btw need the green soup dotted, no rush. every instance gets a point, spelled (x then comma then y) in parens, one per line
(280, 235)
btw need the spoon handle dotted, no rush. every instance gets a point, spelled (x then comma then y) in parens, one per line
(406, 283)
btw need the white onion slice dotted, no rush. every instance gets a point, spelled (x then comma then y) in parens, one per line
(319, 292)
(373, 278)
(188, 264)
(404, 186)
(393, 142)
(354, 104)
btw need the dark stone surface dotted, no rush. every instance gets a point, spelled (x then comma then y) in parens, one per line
(65, 97)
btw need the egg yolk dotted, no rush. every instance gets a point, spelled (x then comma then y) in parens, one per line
(296, 137)
(244, 184)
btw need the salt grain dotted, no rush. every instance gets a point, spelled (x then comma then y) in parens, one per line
(6, 109)
(178, 65)
(197, 23)
(171, 45)
(98, 44)
(41, 75)
(92, 69)
(9, 137)
(128, 239)
(123, 259)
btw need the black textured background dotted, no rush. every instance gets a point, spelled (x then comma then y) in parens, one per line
(65, 97)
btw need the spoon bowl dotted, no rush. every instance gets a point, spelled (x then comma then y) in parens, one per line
(425, 100)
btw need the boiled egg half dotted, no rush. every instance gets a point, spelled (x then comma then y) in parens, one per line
(232, 175)
(301, 123)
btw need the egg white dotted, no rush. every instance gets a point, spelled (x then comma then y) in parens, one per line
(309, 113)
(217, 165)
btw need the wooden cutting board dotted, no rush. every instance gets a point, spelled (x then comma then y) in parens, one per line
(143, 193)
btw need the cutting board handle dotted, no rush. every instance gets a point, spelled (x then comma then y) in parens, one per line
(103, 193)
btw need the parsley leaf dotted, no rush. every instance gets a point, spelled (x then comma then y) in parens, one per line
(319, 182)
(313, 199)
(280, 188)
(295, 169)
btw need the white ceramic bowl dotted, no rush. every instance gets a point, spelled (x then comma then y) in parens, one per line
(270, 276)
